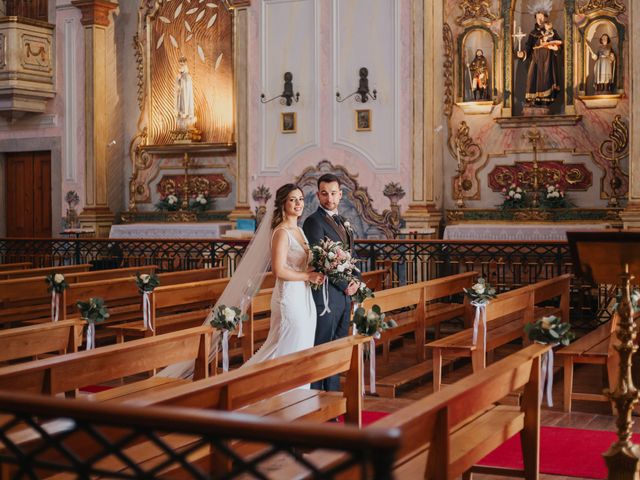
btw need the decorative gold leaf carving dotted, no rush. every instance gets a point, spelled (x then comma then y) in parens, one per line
(475, 10)
(593, 5)
(447, 37)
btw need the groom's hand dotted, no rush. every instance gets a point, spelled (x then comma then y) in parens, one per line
(352, 288)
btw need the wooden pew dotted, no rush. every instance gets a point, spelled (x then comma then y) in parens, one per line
(42, 272)
(63, 336)
(428, 310)
(15, 266)
(505, 322)
(595, 348)
(123, 428)
(23, 299)
(444, 435)
(518, 308)
(122, 297)
(66, 373)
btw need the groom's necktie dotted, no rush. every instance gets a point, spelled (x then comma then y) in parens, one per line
(339, 220)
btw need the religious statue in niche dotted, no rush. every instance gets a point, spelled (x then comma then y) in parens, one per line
(479, 76)
(542, 50)
(184, 107)
(605, 65)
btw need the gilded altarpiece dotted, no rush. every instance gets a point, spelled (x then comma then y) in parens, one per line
(185, 60)
(581, 130)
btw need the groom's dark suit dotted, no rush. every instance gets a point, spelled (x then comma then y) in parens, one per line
(333, 325)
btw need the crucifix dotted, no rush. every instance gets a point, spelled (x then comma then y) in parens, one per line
(519, 35)
(534, 137)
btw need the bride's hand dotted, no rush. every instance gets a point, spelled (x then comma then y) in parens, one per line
(315, 277)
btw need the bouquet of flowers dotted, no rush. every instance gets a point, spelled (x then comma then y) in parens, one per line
(200, 202)
(94, 311)
(227, 318)
(146, 283)
(362, 293)
(553, 197)
(334, 261)
(549, 330)
(514, 197)
(371, 323)
(481, 292)
(57, 283)
(72, 198)
(169, 202)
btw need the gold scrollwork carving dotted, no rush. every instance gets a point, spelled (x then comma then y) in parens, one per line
(592, 5)
(614, 149)
(475, 10)
(469, 150)
(447, 37)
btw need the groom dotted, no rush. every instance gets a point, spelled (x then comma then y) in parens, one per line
(326, 223)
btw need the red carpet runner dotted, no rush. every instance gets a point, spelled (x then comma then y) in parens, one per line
(563, 451)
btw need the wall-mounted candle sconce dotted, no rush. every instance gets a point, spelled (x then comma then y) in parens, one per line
(287, 96)
(362, 93)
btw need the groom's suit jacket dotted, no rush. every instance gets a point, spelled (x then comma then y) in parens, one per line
(318, 226)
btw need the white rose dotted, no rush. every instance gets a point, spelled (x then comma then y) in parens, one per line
(331, 255)
(203, 201)
(144, 278)
(371, 316)
(519, 190)
(341, 267)
(511, 193)
(517, 196)
(58, 278)
(229, 314)
(550, 188)
(347, 225)
(171, 200)
(545, 323)
(478, 288)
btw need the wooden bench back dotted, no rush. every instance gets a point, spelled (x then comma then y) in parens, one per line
(549, 289)
(34, 289)
(430, 420)
(15, 266)
(446, 286)
(397, 298)
(120, 291)
(244, 386)
(41, 272)
(63, 336)
(66, 373)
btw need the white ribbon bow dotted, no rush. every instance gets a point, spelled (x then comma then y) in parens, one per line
(55, 306)
(481, 317)
(372, 366)
(91, 336)
(225, 350)
(325, 295)
(546, 381)
(146, 311)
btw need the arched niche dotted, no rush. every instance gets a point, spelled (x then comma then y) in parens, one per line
(591, 46)
(472, 40)
(516, 70)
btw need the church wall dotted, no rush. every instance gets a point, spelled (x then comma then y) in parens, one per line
(47, 130)
(324, 44)
(580, 143)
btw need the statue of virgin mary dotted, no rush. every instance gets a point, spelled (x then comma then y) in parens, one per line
(184, 108)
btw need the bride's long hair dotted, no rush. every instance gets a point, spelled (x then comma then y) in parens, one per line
(281, 197)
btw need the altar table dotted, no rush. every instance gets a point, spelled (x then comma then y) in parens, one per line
(180, 231)
(519, 232)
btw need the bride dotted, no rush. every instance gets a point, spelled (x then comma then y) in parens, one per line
(293, 311)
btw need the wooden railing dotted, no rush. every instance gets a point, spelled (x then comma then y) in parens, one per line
(506, 264)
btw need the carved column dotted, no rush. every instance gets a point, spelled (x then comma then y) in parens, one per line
(631, 214)
(241, 53)
(95, 18)
(426, 192)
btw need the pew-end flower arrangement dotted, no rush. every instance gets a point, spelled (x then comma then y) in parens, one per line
(481, 292)
(227, 319)
(549, 330)
(146, 282)
(57, 285)
(372, 322)
(362, 294)
(94, 311)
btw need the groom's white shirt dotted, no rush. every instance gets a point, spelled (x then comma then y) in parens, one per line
(331, 213)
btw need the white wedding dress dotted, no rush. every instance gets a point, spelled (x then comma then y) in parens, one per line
(293, 312)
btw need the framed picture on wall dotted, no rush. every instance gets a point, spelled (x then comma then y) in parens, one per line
(288, 122)
(363, 120)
